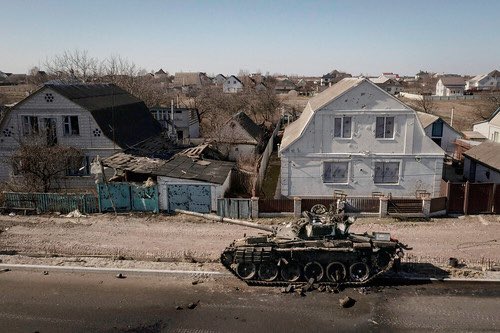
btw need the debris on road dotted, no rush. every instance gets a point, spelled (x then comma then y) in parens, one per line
(4, 270)
(75, 213)
(120, 276)
(453, 262)
(347, 302)
(178, 307)
(191, 306)
(45, 273)
(288, 289)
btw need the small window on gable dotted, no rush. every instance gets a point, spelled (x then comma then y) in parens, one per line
(384, 128)
(437, 128)
(342, 127)
(335, 172)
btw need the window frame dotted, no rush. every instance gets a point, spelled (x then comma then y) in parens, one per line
(342, 127)
(29, 126)
(399, 162)
(84, 173)
(67, 121)
(333, 182)
(385, 118)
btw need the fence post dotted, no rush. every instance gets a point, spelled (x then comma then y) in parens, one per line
(254, 208)
(297, 206)
(384, 201)
(426, 206)
(466, 198)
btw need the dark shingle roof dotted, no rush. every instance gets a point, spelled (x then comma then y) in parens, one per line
(249, 126)
(453, 81)
(488, 153)
(179, 166)
(114, 110)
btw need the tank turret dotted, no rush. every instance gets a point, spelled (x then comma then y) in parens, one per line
(319, 246)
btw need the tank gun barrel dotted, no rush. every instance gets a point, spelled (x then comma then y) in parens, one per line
(228, 220)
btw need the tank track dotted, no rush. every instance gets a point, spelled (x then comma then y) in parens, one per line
(252, 282)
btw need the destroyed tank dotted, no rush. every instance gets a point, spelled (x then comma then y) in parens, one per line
(318, 247)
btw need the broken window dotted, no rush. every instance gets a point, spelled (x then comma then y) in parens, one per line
(78, 166)
(30, 125)
(71, 126)
(342, 127)
(335, 172)
(384, 127)
(386, 172)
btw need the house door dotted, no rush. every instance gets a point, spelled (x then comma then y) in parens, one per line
(50, 131)
(472, 171)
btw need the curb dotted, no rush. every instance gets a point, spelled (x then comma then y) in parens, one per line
(108, 270)
(141, 271)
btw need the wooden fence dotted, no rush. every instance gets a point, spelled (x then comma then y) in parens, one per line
(50, 202)
(473, 198)
(275, 206)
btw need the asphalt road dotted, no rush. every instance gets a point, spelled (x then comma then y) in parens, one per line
(100, 302)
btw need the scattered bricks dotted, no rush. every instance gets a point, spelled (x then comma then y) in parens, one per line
(453, 262)
(288, 289)
(347, 302)
(191, 306)
(120, 276)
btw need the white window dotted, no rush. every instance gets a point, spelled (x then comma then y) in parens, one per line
(384, 127)
(71, 126)
(342, 127)
(386, 173)
(30, 125)
(496, 136)
(335, 172)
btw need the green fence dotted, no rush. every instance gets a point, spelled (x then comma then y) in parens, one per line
(51, 202)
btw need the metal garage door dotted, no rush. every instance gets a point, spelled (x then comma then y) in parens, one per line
(195, 198)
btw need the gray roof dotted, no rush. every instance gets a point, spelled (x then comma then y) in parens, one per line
(487, 153)
(249, 126)
(114, 110)
(426, 118)
(179, 166)
(295, 129)
(453, 81)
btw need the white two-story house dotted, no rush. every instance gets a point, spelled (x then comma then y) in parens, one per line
(232, 85)
(490, 128)
(99, 119)
(357, 138)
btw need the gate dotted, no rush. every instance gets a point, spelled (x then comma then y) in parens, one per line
(479, 198)
(194, 198)
(496, 200)
(127, 197)
(456, 197)
(234, 208)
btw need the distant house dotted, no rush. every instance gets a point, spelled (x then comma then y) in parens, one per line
(482, 163)
(189, 81)
(333, 77)
(490, 128)
(357, 138)
(161, 74)
(391, 85)
(232, 85)
(185, 121)
(219, 80)
(240, 138)
(450, 86)
(284, 86)
(99, 119)
(490, 81)
(439, 131)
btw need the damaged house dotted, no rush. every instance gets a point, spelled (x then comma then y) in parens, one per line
(98, 119)
(192, 179)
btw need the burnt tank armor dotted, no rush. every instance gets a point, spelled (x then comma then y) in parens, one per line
(319, 246)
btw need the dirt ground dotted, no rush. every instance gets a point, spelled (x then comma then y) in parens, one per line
(162, 240)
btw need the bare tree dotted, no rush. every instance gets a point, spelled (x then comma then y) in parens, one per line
(425, 104)
(73, 65)
(488, 103)
(40, 166)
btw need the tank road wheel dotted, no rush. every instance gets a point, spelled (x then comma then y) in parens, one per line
(226, 258)
(314, 270)
(268, 271)
(336, 272)
(291, 272)
(359, 271)
(383, 260)
(318, 209)
(246, 270)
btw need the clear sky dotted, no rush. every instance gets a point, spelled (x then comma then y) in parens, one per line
(303, 37)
